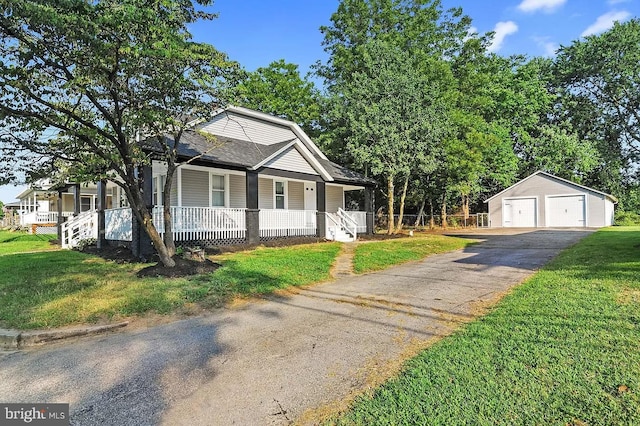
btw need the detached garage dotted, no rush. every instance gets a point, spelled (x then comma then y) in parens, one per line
(545, 200)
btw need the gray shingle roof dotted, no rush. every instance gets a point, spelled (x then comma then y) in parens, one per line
(238, 153)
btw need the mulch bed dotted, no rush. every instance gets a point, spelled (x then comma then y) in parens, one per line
(183, 268)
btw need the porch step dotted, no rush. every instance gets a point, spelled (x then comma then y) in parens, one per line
(342, 236)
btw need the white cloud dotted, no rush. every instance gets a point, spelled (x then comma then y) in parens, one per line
(548, 47)
(502, 30)
(546, 5)
(604, 22)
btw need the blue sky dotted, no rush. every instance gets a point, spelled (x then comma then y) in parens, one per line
(257, 32)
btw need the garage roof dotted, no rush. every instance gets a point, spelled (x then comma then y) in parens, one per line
(540, 172)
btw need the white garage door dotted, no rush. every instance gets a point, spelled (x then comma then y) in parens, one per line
(566, 211)
(519, 212)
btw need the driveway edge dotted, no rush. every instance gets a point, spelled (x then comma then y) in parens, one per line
(16, 339)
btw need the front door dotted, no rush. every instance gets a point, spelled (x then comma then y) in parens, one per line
(310, 196)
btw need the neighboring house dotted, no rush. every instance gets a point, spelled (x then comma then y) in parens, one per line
(38, 206)
(545, 200)
(252, 177)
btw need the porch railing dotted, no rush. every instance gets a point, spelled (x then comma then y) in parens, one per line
(287, 223)
(361, 220)
(203, 223)
(118, 224)
(81, 227)
(348, 223)
(42, 217)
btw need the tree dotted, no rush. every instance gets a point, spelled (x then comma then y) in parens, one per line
(81, 82)
(278, 89)
(605, 70)
(393, 116)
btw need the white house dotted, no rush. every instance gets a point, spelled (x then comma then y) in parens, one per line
(545, 200)
(252, 177)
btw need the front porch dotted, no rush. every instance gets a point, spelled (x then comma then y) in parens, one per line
(215, 226)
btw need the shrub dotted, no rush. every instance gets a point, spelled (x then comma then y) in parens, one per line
(623, 218)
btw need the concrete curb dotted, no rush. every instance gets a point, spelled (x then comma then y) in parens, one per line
(16, 339)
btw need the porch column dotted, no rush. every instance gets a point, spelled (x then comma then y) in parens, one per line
(60, 218)
(369, 206)
(102, 204)
(35, 201)
(76, 199)
(252, 212)
(321, 203)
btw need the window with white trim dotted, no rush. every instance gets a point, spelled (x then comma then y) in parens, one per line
(280, 194)
(85, 204)
(217, 191)
(158, 189)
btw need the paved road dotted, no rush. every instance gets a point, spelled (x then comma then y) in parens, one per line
(278, 360)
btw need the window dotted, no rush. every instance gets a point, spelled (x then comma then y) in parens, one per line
(158, 189)
(217, 191)
(85, 204)
(280, 195)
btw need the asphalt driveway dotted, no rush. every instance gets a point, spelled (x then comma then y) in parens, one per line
(290, 357)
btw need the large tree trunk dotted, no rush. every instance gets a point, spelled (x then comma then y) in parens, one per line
(420, 213)
(432, 222)
(166, 211)
(443, 212)
(465, 208)
(402, 199)
(390, 197)
(158, 243)
(144, 218)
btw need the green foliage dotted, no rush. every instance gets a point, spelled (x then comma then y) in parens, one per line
(602, 71)
(560, 349)
(279, 90)
(627, 218)
(79, 81)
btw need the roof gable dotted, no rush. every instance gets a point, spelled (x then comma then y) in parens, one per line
(258, 127)
(559, 179)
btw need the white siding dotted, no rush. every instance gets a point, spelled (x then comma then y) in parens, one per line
(237, 192)
(237, 126)
(265, 193)
(334, 198)
(291, 160)
(609, 213)
(195, 188)
(296, 195)
(174, 190)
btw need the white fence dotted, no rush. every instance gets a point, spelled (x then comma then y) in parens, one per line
(118, 224)
(287, 223)
(203, 223)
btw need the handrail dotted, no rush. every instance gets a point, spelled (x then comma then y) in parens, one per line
(348, 220)
(78, 228)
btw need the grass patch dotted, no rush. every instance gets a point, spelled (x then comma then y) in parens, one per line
(20, 242)
(561, 349)
(52, 289)
(375, 256)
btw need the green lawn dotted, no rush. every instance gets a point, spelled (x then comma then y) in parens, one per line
(561, 349)
(378, 255)
(52, 289)
(20, 242)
